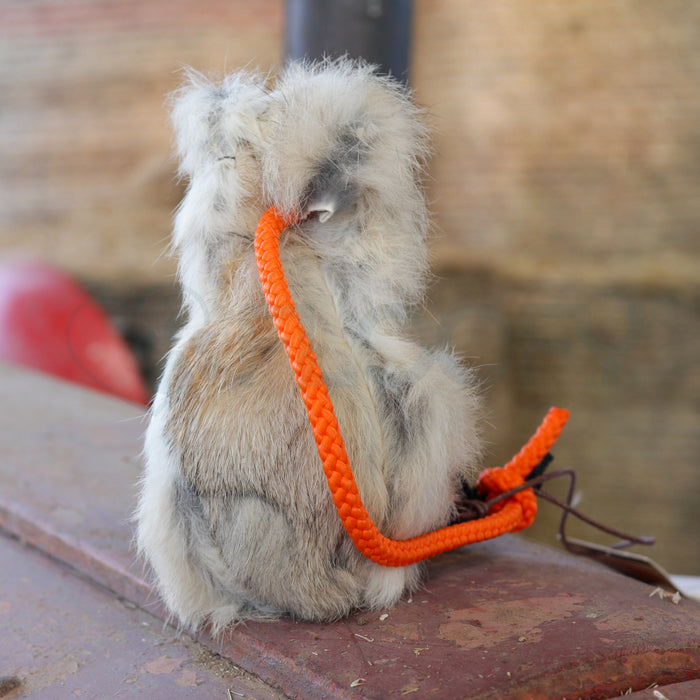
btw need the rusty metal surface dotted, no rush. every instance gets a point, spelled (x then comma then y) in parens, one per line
(690, 690)
(507, 619)
(69, 463)
(63, 637)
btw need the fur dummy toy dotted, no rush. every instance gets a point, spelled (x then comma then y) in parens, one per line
(235, 516)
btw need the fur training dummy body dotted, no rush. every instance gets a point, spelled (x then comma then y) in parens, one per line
(235, 516)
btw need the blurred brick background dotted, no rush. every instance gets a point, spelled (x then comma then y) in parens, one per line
(565, 192)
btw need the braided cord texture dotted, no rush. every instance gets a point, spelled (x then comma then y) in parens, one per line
(512, 514)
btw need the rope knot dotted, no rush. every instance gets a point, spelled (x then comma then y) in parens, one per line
(528, 504)
(497, 480)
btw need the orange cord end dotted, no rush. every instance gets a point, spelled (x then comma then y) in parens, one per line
(513, 514)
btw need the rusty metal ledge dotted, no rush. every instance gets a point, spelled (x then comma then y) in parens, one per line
(507, 619)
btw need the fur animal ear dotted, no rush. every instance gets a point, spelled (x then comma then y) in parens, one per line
(211, 120)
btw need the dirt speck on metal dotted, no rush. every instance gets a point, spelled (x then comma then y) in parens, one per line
(9, 686)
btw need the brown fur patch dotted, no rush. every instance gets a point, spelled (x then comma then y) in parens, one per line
(217, 367)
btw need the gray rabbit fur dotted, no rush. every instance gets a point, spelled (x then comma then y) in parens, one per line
(235, 516)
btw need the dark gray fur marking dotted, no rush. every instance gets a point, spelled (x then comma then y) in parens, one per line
(332, 178)
(188, 505)
(392, 393)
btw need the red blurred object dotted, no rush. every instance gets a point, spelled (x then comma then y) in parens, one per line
(50, 323)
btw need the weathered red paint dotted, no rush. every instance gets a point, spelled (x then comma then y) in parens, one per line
(64, 637)
(506, 619)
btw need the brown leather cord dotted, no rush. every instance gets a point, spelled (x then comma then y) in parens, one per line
(473, 508)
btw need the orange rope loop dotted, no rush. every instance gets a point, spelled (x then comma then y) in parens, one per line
(510, 515)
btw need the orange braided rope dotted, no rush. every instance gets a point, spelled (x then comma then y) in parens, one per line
(514, 513)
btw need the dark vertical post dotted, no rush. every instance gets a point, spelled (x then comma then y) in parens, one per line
(377, 30)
